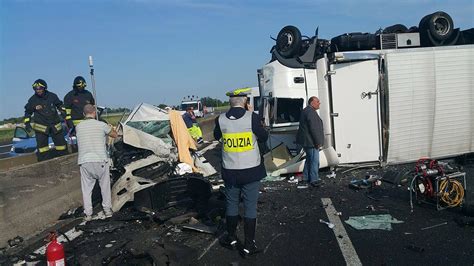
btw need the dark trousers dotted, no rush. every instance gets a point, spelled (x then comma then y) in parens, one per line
(311, 165)
(42, 144)
(249, 193)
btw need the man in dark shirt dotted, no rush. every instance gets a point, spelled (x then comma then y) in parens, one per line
(242, 168)
(311, 137)
(192, 125)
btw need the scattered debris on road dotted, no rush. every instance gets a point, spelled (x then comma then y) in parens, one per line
(369, 222)
(434, 226)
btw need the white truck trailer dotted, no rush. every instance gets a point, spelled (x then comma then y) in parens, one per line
(386, 105)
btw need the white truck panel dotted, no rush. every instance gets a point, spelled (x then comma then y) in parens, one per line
(356, 127)
(279, 80)
(323, 95)
(311, 83)
(431, 98)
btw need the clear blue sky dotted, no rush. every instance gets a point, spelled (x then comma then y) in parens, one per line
(158, 51)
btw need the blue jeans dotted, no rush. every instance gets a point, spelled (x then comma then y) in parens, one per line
(311, 166)
(249, 195)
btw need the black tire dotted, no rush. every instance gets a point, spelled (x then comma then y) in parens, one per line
(288, 42)
(413, 29)
(439, 24)
(423, 21)
(397, 28)
(424, 32)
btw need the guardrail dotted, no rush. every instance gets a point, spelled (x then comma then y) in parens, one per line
(5, 147)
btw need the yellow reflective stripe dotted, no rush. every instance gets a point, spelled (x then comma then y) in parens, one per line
(58, 126)
(237, 142)
(195, 132)
(43, 149)
(61, 148)
(68, 117)
(236, 92)
(39, 127)
(76, 122)
(27, 119)
(68, 111)
(37, 84)
(81, 84)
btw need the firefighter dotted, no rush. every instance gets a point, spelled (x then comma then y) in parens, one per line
(75, 101)
(41, 115)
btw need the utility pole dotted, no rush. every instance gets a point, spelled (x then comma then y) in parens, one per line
(91, 66)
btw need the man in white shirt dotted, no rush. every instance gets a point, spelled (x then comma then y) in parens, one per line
(93, 160)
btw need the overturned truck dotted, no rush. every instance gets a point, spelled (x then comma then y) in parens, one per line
(392, 97)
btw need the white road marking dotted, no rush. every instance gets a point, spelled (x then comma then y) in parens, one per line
(208, 248)
(345, 243)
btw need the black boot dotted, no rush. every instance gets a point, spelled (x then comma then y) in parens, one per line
(249, 248)
(43, 156)
(60, 153)
(230, 240)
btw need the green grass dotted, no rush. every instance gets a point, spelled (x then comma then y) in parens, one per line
(113, 118)
(222, 108)
(6, 134)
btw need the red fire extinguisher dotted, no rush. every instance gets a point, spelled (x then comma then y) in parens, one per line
(54, 251)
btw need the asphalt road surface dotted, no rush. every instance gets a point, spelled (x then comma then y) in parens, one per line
(290, 233)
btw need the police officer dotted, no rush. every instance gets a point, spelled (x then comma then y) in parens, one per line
(242, 168)
(75, 100)
(41, 115)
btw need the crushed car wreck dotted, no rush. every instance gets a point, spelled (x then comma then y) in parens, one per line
(147, 155)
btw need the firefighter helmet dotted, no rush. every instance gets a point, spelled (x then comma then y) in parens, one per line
(79, 83)
(40, 84)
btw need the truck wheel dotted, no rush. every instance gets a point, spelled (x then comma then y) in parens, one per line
(413, 29)
(397, 28)
(288, 42)
(439, 24)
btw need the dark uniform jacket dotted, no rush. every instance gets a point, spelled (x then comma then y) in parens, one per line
(243, 176)
(43, 110)
(310, 132)
(74, 103)
(188, 120)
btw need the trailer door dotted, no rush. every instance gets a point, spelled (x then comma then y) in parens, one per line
(355, 115)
